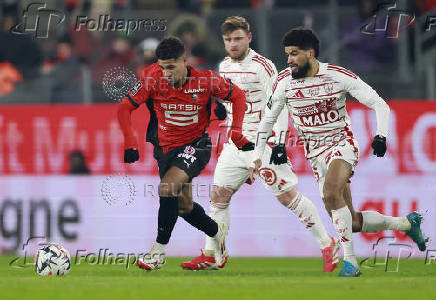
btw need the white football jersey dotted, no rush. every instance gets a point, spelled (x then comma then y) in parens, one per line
(255, 75)
(317, 107)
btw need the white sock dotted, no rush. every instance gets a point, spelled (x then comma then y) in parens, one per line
(220, 212)
(158, 248)
(307, 213)
(342, 221)
(374, 221)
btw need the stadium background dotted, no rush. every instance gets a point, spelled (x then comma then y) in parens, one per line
(52, 105)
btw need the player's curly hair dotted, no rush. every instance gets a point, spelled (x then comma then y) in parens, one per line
(303, 38)
(170, 47)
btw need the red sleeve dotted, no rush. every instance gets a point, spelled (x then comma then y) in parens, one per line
(228, 91)
(124, 111)
(137, 95)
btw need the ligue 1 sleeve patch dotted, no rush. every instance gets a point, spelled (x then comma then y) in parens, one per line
(269, 104)
(135, 89)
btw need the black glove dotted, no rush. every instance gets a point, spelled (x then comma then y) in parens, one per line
(278, 155)
(247, 147)
(379, 145)
(220, 111)
(131, 155)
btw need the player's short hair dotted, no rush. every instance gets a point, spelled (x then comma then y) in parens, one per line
(234, 23)
(302, 38)
(170, 47)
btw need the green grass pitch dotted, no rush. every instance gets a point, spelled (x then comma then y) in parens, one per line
(242, 278)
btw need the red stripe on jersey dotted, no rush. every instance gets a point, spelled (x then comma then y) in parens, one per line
(342, 70)
(239, 72)
(283, 75)
(310, 86)
(302, 98)
(263, 64)
(283, 72)
(345, 73)
(323, 131)
(331, 135)
(266, 63)
(274, 86)
(255, 91)
(305, 106)
(331, 94)
(323, 150)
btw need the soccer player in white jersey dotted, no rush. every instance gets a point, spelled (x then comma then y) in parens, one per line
(314, 93)
(256, 75)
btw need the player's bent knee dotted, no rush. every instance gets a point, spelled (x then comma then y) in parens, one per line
(185, 209)
(221, 195)
(331, 192)
(286, 198)
(169, 189)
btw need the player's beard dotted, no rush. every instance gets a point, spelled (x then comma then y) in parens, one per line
(302, 71)
(240, 56)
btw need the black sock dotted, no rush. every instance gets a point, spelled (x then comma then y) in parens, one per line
(167, 218)
(198, 218)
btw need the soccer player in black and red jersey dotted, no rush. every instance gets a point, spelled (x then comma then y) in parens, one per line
(178, 97)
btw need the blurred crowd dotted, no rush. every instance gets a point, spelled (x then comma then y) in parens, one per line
(55, 69)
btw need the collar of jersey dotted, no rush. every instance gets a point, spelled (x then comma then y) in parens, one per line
(322, 68)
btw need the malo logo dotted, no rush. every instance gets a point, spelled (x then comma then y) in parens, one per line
(326, 113)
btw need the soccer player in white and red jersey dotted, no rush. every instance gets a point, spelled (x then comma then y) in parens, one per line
(314, 93)
(256, 75)
(178, 97)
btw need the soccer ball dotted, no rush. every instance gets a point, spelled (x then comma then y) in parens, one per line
(52, 259)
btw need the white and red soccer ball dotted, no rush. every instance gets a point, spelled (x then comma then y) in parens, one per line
(52, 260)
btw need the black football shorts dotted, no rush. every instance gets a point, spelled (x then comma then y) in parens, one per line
(191, 158)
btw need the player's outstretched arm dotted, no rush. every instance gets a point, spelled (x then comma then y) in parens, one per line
(369, 97)
(239, 105)
(227, 91)
(131, 153)
(274, 108)
(137, 95)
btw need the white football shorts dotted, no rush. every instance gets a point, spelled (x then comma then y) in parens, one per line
(232, 170)
(347, 150)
